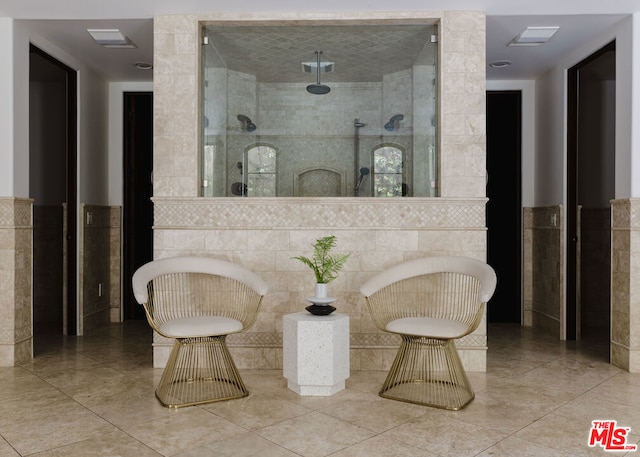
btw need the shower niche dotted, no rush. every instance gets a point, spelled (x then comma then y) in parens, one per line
(319, 110)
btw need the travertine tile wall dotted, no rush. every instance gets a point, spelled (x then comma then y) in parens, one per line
(289, 121)
(625, 284)
(16, 254)
(264, 233)
(527, 266)
(462, 104)
(96, 266)
(544, 296)
(294, 122)
(543, 271)
(115, 263)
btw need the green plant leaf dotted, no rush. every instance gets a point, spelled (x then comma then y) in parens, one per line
(324, 265)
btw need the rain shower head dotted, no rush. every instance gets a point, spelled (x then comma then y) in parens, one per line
(318, 89)
(393, 122)
(249, 126)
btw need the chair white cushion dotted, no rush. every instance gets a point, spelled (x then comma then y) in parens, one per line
(427, 326)
(200, 326)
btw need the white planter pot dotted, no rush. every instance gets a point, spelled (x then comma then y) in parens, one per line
(322, 290)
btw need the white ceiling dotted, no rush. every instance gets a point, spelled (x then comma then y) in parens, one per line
(65, 24)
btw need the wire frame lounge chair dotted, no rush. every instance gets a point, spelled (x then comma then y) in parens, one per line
(430, 302)
(198, 301)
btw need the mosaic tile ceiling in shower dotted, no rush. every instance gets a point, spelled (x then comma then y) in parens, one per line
(361, 53)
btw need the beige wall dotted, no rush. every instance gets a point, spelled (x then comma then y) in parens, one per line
(264, 233)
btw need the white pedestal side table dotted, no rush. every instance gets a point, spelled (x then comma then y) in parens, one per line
(316, 353)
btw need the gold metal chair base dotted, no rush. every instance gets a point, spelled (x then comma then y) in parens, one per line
(199, 370)
(428, 371)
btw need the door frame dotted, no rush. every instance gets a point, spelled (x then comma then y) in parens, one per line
(137, 232)
(70, 303)
(516, 315)
(527, 164)
(572, 239)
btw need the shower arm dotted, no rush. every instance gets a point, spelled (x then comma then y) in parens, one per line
(318, 67)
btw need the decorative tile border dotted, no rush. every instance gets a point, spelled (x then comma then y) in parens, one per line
(625, 214)
(357, 340)
(15, 212)
(297, 213)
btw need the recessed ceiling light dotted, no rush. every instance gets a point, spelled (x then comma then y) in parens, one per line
(143, 65)
(533, 36)
(111, 38)
(500, 63)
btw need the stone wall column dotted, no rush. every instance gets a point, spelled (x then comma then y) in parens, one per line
(16, 252)
(625, 284)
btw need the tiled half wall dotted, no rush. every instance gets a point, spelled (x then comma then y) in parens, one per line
(625, 284)
(16, 253)
(543, 269)
(100, 286)
(263, 234)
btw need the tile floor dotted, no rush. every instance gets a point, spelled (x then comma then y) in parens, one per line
(93, 396)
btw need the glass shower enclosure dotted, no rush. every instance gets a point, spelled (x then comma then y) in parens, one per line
(319, 110)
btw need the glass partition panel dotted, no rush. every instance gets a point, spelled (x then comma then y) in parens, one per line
(319, 110)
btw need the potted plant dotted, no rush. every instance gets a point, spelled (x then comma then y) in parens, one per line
(325, 266)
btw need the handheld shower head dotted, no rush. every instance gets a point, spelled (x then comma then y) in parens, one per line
(393, 122)
(364, 171)
(248, 124)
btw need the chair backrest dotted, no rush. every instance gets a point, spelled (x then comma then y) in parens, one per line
(189, 286)
(437, 264)
(446, 287)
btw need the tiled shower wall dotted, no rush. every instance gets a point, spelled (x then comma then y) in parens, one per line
(290, 121)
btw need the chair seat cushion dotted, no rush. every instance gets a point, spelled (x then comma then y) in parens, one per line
(200, 326)
(428, 326)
